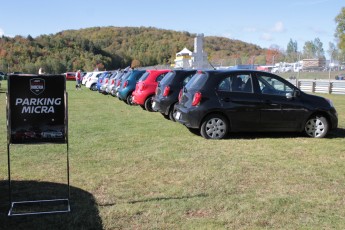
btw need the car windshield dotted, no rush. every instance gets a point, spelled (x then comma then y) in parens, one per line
(197, 81)
(145, 75)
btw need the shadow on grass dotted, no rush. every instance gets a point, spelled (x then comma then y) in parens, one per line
(333, 134)
(168, 198)
(83, 215)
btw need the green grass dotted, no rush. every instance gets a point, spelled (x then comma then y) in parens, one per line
(131, 169)
(312, 75)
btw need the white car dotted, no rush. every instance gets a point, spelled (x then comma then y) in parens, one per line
(86, 77)
(91, 83)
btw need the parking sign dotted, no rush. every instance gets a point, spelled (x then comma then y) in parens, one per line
(37, 109)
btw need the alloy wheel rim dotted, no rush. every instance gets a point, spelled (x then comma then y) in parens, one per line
(315, 127)
(215, 128)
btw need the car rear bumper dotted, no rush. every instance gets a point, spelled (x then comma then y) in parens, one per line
(122, 94)
(162, 105)
(139, 98)
(189, 117)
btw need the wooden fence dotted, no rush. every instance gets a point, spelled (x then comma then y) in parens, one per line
(320, 86)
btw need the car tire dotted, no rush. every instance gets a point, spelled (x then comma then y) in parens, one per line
(165, 116)
(148, 104)
(317, 127)
(129, 99)
(93, 87)
(214, 126)
(172, 113)
(143, 107)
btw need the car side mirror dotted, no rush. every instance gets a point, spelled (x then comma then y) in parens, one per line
(293, 94)
(289, 96)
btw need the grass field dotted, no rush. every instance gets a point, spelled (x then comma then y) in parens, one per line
(131, 169)
(312, 75)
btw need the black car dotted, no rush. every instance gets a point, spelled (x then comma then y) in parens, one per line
(216, 102)
(168, 90)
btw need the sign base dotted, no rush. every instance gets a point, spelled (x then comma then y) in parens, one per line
(36, 207)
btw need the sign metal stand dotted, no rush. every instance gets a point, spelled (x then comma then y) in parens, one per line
(37, 114)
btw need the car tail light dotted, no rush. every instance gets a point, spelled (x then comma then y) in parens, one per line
(196, 99)
(112, 82)
(166, 91)
(118, 83)
(125, 85)
(142, 86)
(180, 95)
(100, 81)
(106, 81)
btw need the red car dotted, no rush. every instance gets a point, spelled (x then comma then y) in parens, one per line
(70, 76)
(146, 87)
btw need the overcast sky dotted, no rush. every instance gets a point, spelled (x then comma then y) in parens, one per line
(264, 23)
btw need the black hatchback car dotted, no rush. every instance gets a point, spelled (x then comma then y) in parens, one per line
(168, 90)
(216, 102)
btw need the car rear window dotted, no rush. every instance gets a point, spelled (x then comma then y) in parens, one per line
(145, 75)
(126, 75)
(168, 78)
(197, 81)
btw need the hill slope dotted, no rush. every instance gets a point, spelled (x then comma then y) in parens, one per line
(110, 48)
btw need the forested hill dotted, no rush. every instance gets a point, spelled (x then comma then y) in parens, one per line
(109, 48)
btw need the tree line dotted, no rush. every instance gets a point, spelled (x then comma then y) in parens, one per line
(109, 48)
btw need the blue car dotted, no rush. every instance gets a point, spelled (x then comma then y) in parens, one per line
(101, 79)
(128, 86)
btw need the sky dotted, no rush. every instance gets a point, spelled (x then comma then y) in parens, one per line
(264, 23)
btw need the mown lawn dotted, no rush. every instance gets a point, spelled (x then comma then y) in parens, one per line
(131, 169)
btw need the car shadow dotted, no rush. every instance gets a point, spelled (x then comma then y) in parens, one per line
(84, 212)
(337, 133)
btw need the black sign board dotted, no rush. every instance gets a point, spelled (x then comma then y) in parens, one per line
(37, 109)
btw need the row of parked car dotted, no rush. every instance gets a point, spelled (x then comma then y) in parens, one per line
(216, 102)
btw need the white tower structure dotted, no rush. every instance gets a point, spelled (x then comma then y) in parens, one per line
(196, 59)
(199, 56)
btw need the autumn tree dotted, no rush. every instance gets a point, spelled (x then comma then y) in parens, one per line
(135, 64)
(340, 29)
(313, 49)
(332, 51)
(273, 55)
(291, 51)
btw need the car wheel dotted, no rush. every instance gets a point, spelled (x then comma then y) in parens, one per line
(165, 116)
(214, 127)
(316, 126)
(148, 104)
(129, 99)
(172, 113)
(93, 87)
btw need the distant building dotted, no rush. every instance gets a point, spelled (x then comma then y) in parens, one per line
(197, 59)
(184, 59)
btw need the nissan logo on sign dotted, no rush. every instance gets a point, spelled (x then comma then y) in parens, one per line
(37, 85)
